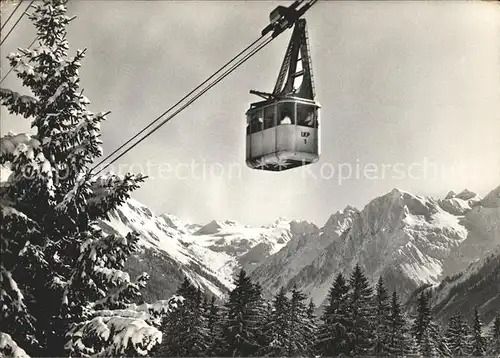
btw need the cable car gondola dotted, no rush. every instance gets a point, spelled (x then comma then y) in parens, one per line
(283, 130)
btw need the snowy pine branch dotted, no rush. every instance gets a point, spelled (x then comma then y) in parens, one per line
(128, 292)
(110, 191)
(15, 313)
(112, 336)
(9, 348)
(18, 104)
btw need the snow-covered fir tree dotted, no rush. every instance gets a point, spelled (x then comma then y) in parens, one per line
(261, 309)
(185, 330)
(457, 335)
(332, 335)
(413, 348)
(63, 285)
(399, 338)
(276, 331)
(478, 341)
(9, 348)
(243, 319)
(213, 323)
(422, 321)
(438, 336)
(382, 311)
(300, 327)
(312, 332)
(196, 338)
(427, 333)
(494, 337)
(361, 313)
(426, 345)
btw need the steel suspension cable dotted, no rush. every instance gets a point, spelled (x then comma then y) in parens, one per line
(220, 78)
(10, 16)
(31, 44)
(176, 104)
(17, 22)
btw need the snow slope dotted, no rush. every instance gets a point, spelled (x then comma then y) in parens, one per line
(227, 246)
(163, 255)
(210, 255)
(156, 232)
(478, 285)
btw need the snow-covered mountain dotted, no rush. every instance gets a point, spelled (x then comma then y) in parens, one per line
(227, 246)
(163, 255)
(210, 255)
(482, 220)
(409, 240)
(479, 283)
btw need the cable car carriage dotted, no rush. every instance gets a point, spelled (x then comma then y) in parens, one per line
(283, 130)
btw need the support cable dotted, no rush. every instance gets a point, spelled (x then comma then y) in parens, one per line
(176, 104)
(220, 78)
(11, 14)
(17, 22)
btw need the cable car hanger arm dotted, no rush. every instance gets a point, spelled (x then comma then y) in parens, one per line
(283, 18)
(265, 95)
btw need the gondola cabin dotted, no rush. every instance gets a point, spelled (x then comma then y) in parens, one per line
(282, 134)
(283, 130)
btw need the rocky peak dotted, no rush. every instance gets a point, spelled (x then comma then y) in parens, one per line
(466, 195)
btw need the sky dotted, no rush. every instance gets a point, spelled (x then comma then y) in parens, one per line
(410, 96)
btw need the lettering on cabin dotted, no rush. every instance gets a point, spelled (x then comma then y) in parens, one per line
(305, 135)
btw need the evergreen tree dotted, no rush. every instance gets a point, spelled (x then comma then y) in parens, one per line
(311, 308)
(244, 317)
(313, 327)
(478, 342)
(423, 319)
(494, 337)
(362, 312)
(264, 335)
(301, 330)
(332, 336)
(382, 320)
(185, 330)
(457, 335)
(260, 308)
(426, 332)
(59, 271)
(197, 339)
(205, 306)
(399, 341)
(438, 338)
(277, 329)
(413, 347)
(213, 320)
(427, 346)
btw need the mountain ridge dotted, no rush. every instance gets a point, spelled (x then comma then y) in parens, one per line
(403, 237)
(408, 239)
